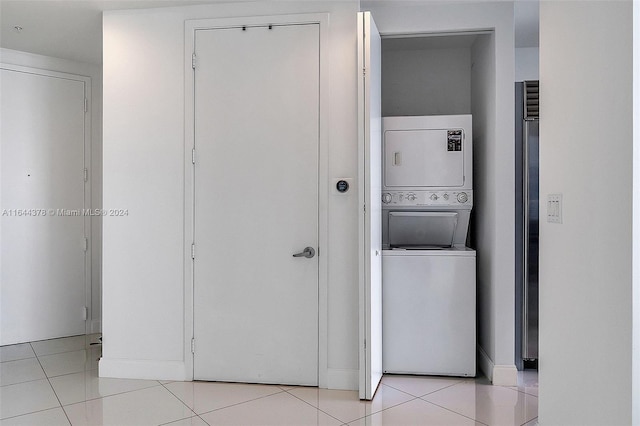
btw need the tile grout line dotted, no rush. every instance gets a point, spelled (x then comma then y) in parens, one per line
(317, 408)
(68, 374)
(28, 414)
(413, 398)
(178, 398)
(446, 387)
(384, 409)
(59, 338)
(535, 418)
(86, 350)
(26, 381)
(186, 418)
(18, 359)
(407, 393)
(107, 396)
(240, 403)
(452, 411)
(23, 381)
(131, 391)
(524, 392)
(428, 393)
(51, 386)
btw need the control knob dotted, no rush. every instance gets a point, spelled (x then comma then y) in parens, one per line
(434, 197)
(463, 197)
(386, 198)
(411, 197)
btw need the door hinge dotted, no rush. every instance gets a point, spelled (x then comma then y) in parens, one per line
(364, 208)
(193, 60)
(85, 313)
(86, 244)
(85, 172)
(193, 251)
(86, 105)
(364, 71)
(193, 156)
(365, 343)
(193, 346)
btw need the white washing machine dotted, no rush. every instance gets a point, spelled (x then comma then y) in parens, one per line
(429, 311)
(428, 274)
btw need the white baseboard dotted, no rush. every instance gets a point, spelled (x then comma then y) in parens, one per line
(141, 369)
(499, 375)
(343, 379)
(505, 375)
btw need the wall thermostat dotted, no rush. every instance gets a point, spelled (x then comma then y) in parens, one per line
(342, 186)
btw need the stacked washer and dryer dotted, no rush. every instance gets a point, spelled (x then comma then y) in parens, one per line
(428, 272)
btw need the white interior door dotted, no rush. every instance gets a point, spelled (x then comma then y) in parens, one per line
(256, 204)
(43, 292)
(370, 155)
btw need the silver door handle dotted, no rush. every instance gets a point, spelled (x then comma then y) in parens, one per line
(308, 252)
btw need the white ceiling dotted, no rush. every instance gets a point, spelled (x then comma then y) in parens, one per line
(73, 29)
(69, 29)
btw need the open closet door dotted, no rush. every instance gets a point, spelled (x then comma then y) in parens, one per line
(370, 165)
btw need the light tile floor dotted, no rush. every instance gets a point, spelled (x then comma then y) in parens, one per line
(55, 382)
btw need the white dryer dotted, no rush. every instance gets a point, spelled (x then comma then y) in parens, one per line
(428, 312)
(428, 274)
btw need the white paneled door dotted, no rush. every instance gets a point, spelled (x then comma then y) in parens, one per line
(370, 173)
(42, 232)
(256, 204)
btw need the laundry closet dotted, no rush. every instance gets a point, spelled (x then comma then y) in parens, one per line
(428, 258)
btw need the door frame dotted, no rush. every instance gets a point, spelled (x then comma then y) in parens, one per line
(86, 81)
(322, 19)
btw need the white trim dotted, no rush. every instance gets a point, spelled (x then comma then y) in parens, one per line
(635, 274)
(88, 256)
(189, 196)
(96, 326)
(505, 375)
(343, 379)
(484, 363)
(363, 324)
(498, 375)
(48, 63)
(322, 19)
(141, 369)
(86, 81)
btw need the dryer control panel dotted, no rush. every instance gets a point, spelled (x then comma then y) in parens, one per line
(427, 198)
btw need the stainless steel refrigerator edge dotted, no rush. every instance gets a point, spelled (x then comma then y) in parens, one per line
(527, 221)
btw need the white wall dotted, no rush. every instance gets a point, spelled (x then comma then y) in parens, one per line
(495, 228)
(94, 72)
(635, 392)
(586, 261)
(144, 119)
(143, 303)
(483, 110)
(527, 63)
(426, 81)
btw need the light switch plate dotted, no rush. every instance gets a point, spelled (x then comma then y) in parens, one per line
(554, 208)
